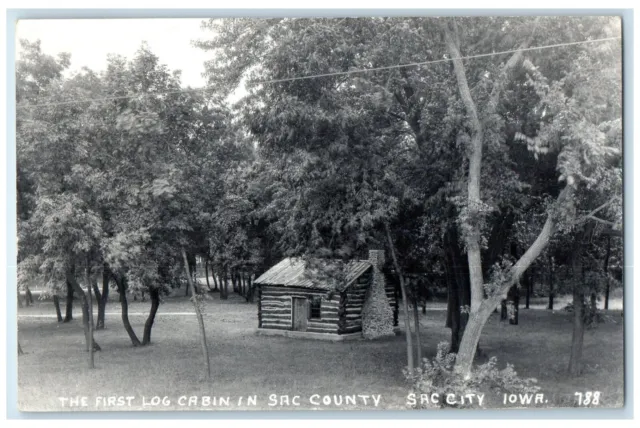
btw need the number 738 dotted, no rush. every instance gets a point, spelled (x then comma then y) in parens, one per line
(588, 398)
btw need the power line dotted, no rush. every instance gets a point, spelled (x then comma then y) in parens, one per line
(314, 76)
(418, 64)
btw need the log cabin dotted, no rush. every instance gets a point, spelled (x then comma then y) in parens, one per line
(319, 298)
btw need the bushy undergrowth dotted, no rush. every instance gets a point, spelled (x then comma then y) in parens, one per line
(592, 315)
(437, 376)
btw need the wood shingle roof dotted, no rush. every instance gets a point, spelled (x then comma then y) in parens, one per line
(318, 273)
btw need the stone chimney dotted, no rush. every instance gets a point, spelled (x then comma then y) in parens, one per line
(377, 315)
(376, 258)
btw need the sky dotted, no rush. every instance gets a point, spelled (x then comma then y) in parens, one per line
(90, 40)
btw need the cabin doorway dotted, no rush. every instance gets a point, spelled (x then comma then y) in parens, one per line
(300, 313)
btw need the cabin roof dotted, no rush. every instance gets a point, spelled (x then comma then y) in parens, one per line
(317, 273)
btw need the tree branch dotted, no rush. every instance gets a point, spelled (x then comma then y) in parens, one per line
(601, 220)
(603, 206)
(534, 249)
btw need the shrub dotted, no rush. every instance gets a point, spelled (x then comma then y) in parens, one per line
(438, 376)
(592, 315)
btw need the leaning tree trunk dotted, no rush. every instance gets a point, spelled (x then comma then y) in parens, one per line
(68, 315)
(20, 351)
(56, 303)
(196, 300)
(148, 325)
(405, 303)
(121, 283)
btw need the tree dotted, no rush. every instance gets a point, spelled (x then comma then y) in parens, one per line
(60, 227)
(581, 159)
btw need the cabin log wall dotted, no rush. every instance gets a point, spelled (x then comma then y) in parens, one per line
(276, 308)
(354, 302)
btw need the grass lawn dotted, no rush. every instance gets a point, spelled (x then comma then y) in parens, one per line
(243, 364)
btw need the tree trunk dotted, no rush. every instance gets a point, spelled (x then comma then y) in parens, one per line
(405, 303)
(206, 272)
(515, 303)
(577, 339)
(28, 297)
(188, 292)
(98, 294)
(251, 290)
(148, 325)
(233, 281)
(224, 285)
(416, 318)
(20, 351)
(606, 274)
(471, 337)
(215, 279)
(193, 269)
(472, 235)
(528, 285)
(102, 298)
(56, 303)
(86, 316)
(121, 283)
(395, 305)
(196, 305)
(90, 317)
(469, 342)
(460, 296)
(551, 287)
(68, 316)
(480, 308)
(453, 310)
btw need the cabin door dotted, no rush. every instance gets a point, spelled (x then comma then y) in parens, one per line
(300, 315)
